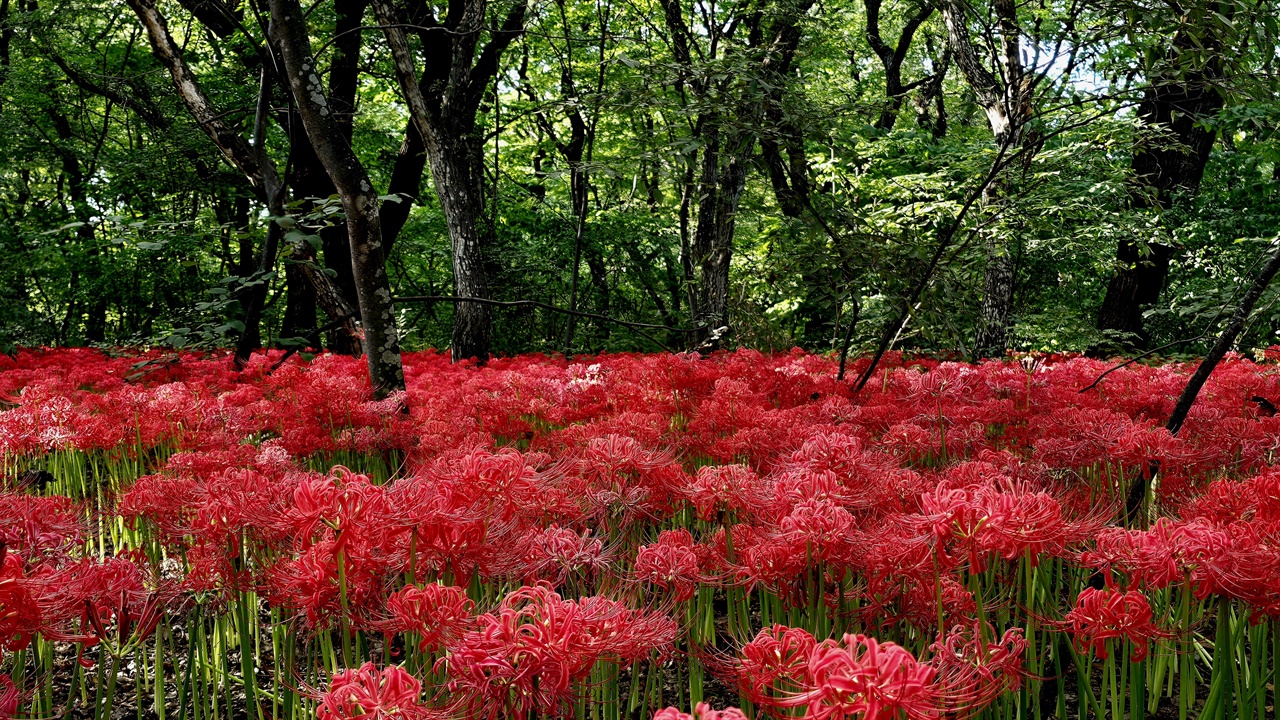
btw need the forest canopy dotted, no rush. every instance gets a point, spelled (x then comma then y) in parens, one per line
(605, 175)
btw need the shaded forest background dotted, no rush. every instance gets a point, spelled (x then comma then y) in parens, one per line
(952, 176)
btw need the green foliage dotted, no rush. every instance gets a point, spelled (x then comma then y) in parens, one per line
(120, 222)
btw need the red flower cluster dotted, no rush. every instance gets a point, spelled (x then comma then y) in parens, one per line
(1104, 615)
(531, 527)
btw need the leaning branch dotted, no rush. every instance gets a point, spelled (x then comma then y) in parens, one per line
(1226, 340)
(228, 141)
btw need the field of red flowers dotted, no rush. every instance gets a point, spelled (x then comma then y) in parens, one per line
(634, 536)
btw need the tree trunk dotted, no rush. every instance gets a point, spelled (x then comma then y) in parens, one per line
(458, 186)
(892, 58)
(1168, 165)
(300, 303)
(997, 299)
(724, 176)
(1006, 100)
(359, 200)
(447, 127)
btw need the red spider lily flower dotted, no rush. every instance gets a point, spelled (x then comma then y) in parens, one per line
(99, 595)
(1102, 615)
(819, 529)
(19, 614)
(671, 563)
(559, 551)
(368, 693)
(10, 698)
(439, 614)
(973, 672)
(312, 582)
(779, 653)
(718, 489)
(861, 677)
(39, 528)
(702, 712)
(526, 657)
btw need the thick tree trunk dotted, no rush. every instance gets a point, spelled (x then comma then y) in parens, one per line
(1168, 165)
(447, 127)
(458, 188)
(724, 176)
(359, 200)
(1141, 269)
(251, 160)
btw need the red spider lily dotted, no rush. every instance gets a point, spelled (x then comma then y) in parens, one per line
(779, 653)
(10, 698)
(671, 564)
(372, 694)
(314, 583)
(526, 656)
(557, 552)
(819, 529)
(19, 614)
(702, 712)
(718, 489)
(861, 677)
(39, 528)
(972, 672)
(1235, 560)
(83, 601)
(440, 614)
(1010, 521)
(1103, 615)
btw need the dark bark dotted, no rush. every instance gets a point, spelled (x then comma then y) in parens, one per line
(300, 303)
(359, 200)
(443, 106)
(892, 57)
(997, 298)
(728, 136)
(253, 294)
(724, 176)
(930, 101)
(95, 314)
(236, 150)
(1168, 164)
(240, 220)
(1006, 101)
(790, 175)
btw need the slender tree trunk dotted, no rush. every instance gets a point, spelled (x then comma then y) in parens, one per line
(997, 298)
(359, 200)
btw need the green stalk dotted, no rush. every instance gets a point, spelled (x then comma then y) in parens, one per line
(346, 610)
(247, 664)
(159, 665)
(104, 711)
(1085, 690)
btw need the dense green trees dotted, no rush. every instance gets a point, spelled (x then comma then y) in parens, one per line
(967, 176)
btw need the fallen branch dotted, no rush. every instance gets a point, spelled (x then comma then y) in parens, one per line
(1135, 359)
(312, 338)
(638, 328)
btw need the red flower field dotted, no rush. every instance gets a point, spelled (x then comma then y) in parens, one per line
(639, 536)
